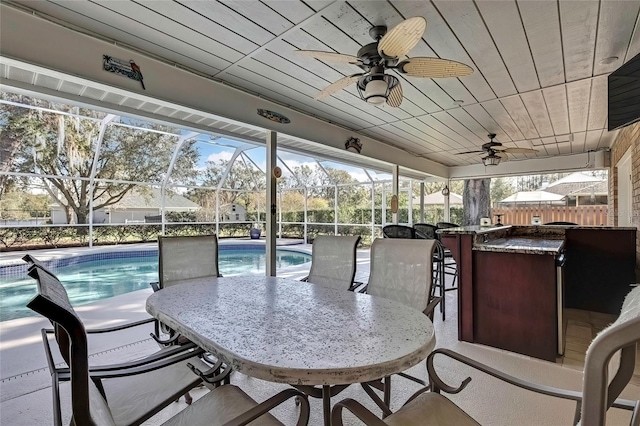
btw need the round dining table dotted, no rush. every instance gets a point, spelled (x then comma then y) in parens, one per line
(294, 332)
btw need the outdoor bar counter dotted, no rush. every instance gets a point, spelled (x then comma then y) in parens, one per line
(515, 281)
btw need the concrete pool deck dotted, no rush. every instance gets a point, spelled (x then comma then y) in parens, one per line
(25, 381)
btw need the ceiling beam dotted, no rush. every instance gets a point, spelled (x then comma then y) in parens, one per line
(562, 163)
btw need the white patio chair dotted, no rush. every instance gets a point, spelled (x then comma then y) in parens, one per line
(599, 390)
(401, 270)
(333, 262)
(142, 387)
(185, 258)
(172, 360)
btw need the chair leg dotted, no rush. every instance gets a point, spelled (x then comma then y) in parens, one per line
(387, 391)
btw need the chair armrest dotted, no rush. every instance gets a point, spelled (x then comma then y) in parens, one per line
(137, 367)
(266, 406)
(121, 327)
(439, 384)
(357, 409)
(155, 286)
(428, 311)
(158, 356)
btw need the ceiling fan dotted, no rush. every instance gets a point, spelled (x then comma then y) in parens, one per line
(497, 154)
(374, 85)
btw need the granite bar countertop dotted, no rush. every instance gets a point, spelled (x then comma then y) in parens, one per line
(525, 245)
(526, 229)
(473, 229)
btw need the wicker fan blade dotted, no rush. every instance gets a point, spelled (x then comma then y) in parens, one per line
(398, 41)
(433, 68)
(470, 152)
(337, 85)
(328, 56)
(395, 96)
(503, 155)
(520, 150)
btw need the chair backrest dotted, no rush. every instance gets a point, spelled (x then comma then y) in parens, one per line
(623, 335)
(53, 303)
(333, 261)
(62, 338)
(184, 258)
(401, 271)
(398, 231)
(426, 230)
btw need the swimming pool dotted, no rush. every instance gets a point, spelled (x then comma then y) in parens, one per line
(92, 277)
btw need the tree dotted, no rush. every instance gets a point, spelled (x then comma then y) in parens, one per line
(62, 147)
(20, 205)
(16, 124)
(501, 188)
(476, 200)
(245, 185)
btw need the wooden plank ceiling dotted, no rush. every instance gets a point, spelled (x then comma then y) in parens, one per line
(538, 83)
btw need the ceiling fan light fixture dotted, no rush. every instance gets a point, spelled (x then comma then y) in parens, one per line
(491, 160)
(375, 91)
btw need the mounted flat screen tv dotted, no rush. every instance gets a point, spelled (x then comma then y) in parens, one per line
(624, 94)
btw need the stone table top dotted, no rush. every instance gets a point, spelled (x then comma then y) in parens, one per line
(294, 332)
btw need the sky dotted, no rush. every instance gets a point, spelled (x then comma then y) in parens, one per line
(223, 149)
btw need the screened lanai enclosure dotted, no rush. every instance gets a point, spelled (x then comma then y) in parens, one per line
(72, 174)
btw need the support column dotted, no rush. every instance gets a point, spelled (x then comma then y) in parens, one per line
(335, 210)
(447, 213)
(272, 138)
(384, 206)
(410, 202)
(373, 211)
(394, 190)
(280, 213)
(306, 206)
(421, 202)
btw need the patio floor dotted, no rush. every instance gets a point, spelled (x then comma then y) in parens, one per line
(26, 394)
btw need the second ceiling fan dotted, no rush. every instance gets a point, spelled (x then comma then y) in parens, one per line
(374, 85)
(495, 152)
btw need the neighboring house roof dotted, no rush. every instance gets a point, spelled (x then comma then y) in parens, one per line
(438, 199)
(598, 188)
(576, 177)
(152, 200)
(579, 184)
(532, 197)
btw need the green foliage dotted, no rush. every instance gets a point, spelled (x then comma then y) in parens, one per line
(64, 145)
(19, 238)
(501, 188)
(21, 205)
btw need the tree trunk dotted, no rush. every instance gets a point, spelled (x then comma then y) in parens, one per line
(476, 199)
(68, 213)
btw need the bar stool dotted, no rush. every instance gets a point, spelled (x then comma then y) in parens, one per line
(443, 268)
(449, 265)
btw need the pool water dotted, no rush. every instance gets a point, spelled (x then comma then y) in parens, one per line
(93, 280)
